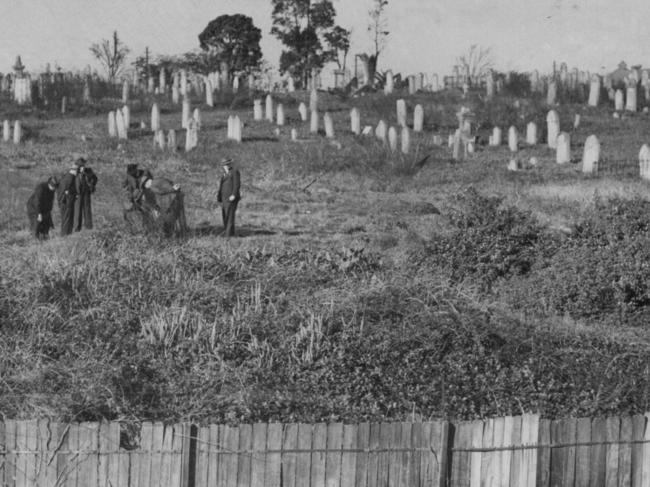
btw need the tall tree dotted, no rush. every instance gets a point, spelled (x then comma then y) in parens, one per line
(301, 25)
(111, 55)
(378, 30)
(476, 61)
(338, 40)
(233, 42)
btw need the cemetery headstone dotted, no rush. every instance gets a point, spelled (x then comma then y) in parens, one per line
(418, 118)
(269, 107)
(313, 122)
(591, 155)
(552, 128)
(496, 136)
(594, 91)
(257, 110)
(355, 121)
(280, 114)
(329, 125)
(406, 140)
(381, 132)
(302, 110)
(644, 162)
(6, 131)
(513, 139)
(112, 124)
(155, 117)
(619, 100)
(392, 139)
(171, 139)
(563, 150)
(18, 132)
(401, 112)
(531, 133)
(185, 114)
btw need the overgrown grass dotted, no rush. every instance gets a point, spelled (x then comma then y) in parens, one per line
(366, 285)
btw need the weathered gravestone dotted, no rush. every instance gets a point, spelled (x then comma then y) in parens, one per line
(392, 139)
(619, 100)
(591, 155)
(257, 110)
(313, 100)
(196, 115)
(563, 151)
(191, 135)
(269, 108)
(401, 112)
(381, 132)
(631, 99)
(329, 125)
(418, 118)
(495, 139)
(355, 121)
(389, 86)
(209, 96)
(280, 115)
(313, 122)
(112, 124)
(513, 139)
(6, 131)
(171, 139)
(594, 91)
(18, 132)
(185, 114)
(155, 117)
(302, 110)
(552, 128)
(531, 133)
(406, 140)
(644, 162)
(551, 95)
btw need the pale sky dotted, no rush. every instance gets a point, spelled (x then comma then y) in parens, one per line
(425, 35)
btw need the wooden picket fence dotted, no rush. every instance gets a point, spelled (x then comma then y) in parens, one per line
(521, 451)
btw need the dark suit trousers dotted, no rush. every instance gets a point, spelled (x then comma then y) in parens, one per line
(83, 215)
(228, 209)
(67, 218)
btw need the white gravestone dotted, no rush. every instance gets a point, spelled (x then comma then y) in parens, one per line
(496, 137)
(280, 114)
(302, 110)
(401, 112)
(644, 162)
(418, 118)
(112, 124)
(257, 110)
(552, 128)
(563, 151)
(155, 117)
(591, 155)
(269, 108)
(392, 139)
(329, 125)
(381, 132)
(513, 139)
(531, 133)
(406, 140)
(313, 122)
(355, 121)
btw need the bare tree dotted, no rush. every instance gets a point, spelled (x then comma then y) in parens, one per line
(111, 55)
(378, 28)
(476, 62)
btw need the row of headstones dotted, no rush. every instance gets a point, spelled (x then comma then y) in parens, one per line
(118, 122)
(6, 132)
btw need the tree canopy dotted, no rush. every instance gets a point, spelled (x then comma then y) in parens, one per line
(233, 42)
(111, 55)
(306, 28)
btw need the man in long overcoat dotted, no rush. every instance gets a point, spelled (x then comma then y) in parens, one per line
(85, 183)
(39, 208)
(229, 196)
(67, 195)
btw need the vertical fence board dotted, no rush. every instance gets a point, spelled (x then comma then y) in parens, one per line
(582, 452)
(349, 457)
(558, 457)
(21, 457)
(179, 471)
(385, 437)
(363, 443)
(427, 464)
(78, 464)
(31, 457)
(42, 441)
(506, 455)
(460, 469)
(10, 457)
(158, 437)
(497, 456)
(144, 455)
(333, 459)
(407, 454)
(3, 454)
(232, 446)
(476, 457)
(393, 457)
(187, 439)
(222, 457)
(169, 456)
(568, 437)
(69, 471)
(108, 446)
(244, 457)
(598, 453)
(274, 460)
(442, 452)
(90, 446)
(531, 437)
(124, 471)
(517, 454)
(289, 460)
(258, 459)
(319, 444)
(417, 441)
(487, 457)
(613, 425)
(638, 428)
(214, 455)
(645, 475)
(373, 455)
(625, 453)
(544, 454)
(303, 459)
(202, 456)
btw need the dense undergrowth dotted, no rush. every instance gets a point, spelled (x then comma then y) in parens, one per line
(474, 324)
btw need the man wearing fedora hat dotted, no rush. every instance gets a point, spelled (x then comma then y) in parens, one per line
(39, 208)
(229, 196)
(67, 195)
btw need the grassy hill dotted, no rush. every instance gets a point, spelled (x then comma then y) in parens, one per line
(364, 285)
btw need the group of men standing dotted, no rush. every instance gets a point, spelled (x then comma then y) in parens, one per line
(73, 192)
(144, 195)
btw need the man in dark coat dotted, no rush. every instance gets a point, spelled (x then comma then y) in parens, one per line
(85, 183)
(66, 195)
(229, 196)
(39, 208)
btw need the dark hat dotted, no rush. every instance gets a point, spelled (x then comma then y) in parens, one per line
(80, 161)
(132, 169)
(53, 181)
(226, 162)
